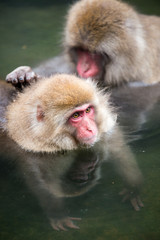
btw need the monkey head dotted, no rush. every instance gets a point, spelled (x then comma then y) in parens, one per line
(104, 38)
(63, 112)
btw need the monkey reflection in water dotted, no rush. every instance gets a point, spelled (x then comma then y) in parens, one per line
(67, 128)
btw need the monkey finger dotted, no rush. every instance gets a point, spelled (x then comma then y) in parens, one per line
(20, 75)
(21, 79)
(70, 224)
(12, 78)
(54, 224)
(19, 83)
(140, 203)
(15, 81)
(60, 226)
(31, 77)
(134, 203)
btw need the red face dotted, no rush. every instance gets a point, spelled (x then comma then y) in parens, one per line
(83, 120)
(89, 64)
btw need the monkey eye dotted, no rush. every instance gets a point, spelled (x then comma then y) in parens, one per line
(76, 115)
(88, 109)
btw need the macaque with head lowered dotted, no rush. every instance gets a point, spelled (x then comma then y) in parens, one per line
(107, 40)
(67, 114)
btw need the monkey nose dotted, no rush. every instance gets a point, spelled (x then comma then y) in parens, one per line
(89, 129)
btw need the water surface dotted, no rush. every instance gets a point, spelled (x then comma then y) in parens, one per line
(30, 33)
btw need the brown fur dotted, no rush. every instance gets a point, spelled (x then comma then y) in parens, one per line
(57, 97)
(131, 40)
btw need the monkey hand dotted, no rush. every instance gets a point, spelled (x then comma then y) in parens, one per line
(22, 77)
(61, 224)
(133, 197)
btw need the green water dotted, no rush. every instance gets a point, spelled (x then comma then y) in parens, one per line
(29, 33)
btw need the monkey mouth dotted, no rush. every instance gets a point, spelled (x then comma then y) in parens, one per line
(89, 64)
(90, 140)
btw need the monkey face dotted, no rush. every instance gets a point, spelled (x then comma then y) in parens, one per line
(83, 120)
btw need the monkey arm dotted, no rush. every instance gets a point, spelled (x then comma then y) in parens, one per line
(44, 183)
(125, 164)
(55, 210)
(123, 159)
(53, 207)
(24, 75)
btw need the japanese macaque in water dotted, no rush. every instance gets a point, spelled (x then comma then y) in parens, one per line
(57, 118)
(108, 41)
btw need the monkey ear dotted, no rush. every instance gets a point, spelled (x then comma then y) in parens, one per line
(40, 113)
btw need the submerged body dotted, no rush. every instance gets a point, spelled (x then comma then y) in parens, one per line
(45, 125)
